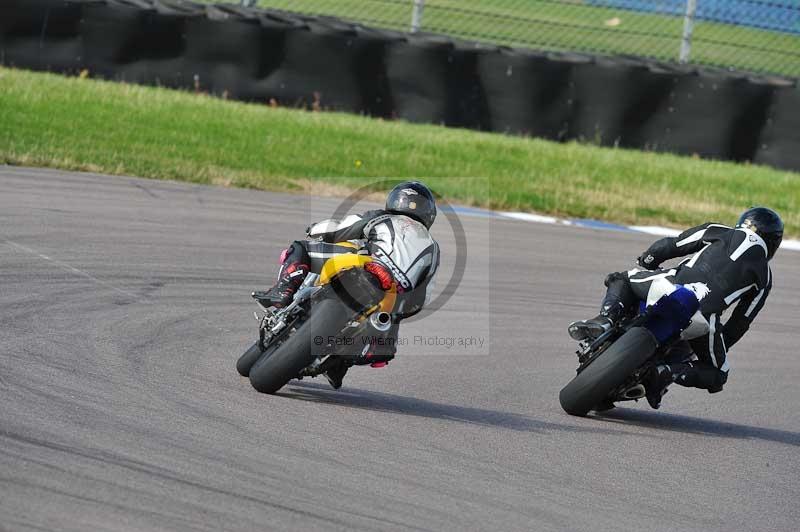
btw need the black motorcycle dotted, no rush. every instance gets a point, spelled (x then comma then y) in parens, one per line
(613, 366)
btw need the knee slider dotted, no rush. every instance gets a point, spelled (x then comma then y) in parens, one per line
(702, 376)
(294, 253)
(719, 382)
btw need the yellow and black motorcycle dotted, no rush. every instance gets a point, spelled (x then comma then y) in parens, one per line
(332, 315)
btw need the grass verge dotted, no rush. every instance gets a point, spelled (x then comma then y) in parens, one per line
(82, 124)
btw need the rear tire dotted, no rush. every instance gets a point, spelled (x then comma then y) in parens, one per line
(591, 387)
(327, 318)
(249, 358)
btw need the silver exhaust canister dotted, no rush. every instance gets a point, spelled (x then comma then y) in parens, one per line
(382, 321)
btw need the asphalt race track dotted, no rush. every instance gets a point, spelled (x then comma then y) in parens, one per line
(124, 304)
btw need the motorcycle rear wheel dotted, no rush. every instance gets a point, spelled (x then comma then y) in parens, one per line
(592, 386)
(270, 373)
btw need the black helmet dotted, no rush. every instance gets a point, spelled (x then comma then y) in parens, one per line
(766, 223)
(413, 199)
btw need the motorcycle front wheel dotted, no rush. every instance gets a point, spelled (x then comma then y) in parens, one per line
(249, 358)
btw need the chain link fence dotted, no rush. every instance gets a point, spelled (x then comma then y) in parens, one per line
(752, 35)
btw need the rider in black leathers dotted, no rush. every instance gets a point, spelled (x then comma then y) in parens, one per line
(727, 266)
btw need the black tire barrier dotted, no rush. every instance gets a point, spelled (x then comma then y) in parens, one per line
(433, 80)
(42, 35)
(778, 143)
(324, 63)
(528, 93)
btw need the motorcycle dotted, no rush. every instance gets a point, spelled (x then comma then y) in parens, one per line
(612, 367)
(349, 303)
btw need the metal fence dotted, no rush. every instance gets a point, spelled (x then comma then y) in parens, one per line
(752, 35)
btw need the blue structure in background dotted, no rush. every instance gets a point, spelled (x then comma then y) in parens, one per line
(775, 15)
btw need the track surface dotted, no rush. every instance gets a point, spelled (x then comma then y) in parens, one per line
(124, 305)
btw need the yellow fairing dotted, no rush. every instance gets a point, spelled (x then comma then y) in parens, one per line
(345, 261)
(339, 263)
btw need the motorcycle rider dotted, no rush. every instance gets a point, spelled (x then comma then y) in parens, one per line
(727, 265)
(396, 236)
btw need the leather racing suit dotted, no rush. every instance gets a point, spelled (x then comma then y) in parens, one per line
(725, 267)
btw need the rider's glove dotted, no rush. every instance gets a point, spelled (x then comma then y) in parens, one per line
(647, 261)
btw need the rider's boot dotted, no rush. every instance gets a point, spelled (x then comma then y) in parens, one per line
(336, 374)
(655, 384)
(289, 280)
(377, 356)
(610, 314)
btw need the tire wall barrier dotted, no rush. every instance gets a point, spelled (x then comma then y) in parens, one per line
(294, 60)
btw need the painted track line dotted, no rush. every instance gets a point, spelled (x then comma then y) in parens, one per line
(791, 245)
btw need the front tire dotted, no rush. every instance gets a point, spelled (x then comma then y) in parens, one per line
(327, 318)
(249, 358)
(591, 387)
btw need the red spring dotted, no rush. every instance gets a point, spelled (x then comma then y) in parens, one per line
(381, 274)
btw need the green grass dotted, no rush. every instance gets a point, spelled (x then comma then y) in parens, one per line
(570, 25)
(82, 124)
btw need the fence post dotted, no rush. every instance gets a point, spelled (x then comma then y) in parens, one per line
(416, 15)
(688, 29)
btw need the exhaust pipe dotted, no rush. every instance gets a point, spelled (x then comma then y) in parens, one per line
(382, 321)
(634, 392)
